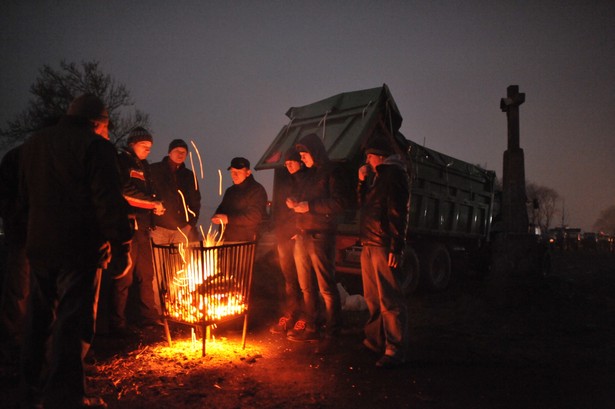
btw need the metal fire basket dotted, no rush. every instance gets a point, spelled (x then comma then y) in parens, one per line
(201, 286)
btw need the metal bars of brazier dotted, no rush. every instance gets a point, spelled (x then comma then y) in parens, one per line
(201, 286)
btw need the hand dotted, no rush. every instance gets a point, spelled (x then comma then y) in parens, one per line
(363, 172)
(291, 203)
(121, 262)
(302, 207)
(219, 219)
(394, 260)
(159, 208)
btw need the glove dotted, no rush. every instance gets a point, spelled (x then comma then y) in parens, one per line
(121, 262)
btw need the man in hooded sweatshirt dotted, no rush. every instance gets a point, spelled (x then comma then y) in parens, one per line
(384, 199)
(319, 203)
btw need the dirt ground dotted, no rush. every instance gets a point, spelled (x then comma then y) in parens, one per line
(521, 342)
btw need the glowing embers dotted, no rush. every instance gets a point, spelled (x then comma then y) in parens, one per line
(204, 292)
(202, 284)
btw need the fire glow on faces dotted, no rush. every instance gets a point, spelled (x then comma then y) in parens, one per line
(306, 158)
(292, 166)
(239, 175)
(178, 155)
(374, 160)
(142, 149)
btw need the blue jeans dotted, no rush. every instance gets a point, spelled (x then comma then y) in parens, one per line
(315, 260)
(293, 302)
(387, 326)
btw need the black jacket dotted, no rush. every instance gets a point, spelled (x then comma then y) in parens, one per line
(245, 205)
(322, 187)
(167, 182)
(285, 219)
(70, 187)
(138, 188)
(385, 206)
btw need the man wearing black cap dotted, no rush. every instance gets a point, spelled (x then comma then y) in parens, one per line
(179, 191)
(138, 191)
(384, 197)
(70, 185)
(243, 205)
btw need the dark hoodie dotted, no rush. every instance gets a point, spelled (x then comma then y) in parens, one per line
(322, 187)
(385, 206)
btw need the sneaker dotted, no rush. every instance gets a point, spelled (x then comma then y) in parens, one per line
(389, 362)
(281, 327)
(301, 333)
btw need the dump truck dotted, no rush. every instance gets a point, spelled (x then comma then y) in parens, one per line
(452, 204)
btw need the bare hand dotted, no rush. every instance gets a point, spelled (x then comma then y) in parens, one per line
(393, 260)
(363, 172)
(302, 207)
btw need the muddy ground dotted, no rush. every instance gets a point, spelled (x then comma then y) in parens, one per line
(526, 342)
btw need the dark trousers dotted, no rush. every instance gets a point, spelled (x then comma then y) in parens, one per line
(141, 275)
(58, 330)
(315, 260)
(387, 326)
(15, 289)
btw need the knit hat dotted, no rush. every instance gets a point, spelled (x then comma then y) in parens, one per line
(88, 106)
(177, 143)
(139, 134)
(292, 154)
(378, 146)
(239, 163)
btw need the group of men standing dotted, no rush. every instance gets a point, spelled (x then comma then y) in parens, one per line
(314, 197)
(90, 214)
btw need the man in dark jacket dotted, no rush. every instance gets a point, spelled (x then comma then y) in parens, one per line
(285, 231)
(243, 205)
(16, 279)
(138, 191)
(319, 203)
(77, 218)
(384, 196)
(178, 189)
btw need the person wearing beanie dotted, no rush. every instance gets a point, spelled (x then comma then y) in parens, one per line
(139, 192)
(384, 199)
(170, 177)
(285, 225)
(77, 218)
(243, 205)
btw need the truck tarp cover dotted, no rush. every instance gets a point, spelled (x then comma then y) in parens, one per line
(344, 121)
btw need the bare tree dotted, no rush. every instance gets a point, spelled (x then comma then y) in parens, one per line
(542, 202)
(53, 91)
(606, 221)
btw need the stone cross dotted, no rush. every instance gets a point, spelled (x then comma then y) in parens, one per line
(514, 210)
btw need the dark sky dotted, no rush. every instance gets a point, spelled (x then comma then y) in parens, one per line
(223, 73)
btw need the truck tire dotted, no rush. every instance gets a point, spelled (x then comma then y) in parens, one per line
(410, 271)
(436, 267)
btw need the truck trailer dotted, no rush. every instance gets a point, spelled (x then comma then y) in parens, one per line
(452, 202)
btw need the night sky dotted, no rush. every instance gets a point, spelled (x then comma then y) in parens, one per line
(223, 73)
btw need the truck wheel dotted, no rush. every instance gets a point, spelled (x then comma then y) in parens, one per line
(410, 270)
(436, 267)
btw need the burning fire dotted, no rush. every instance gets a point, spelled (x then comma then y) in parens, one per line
(200, 292)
